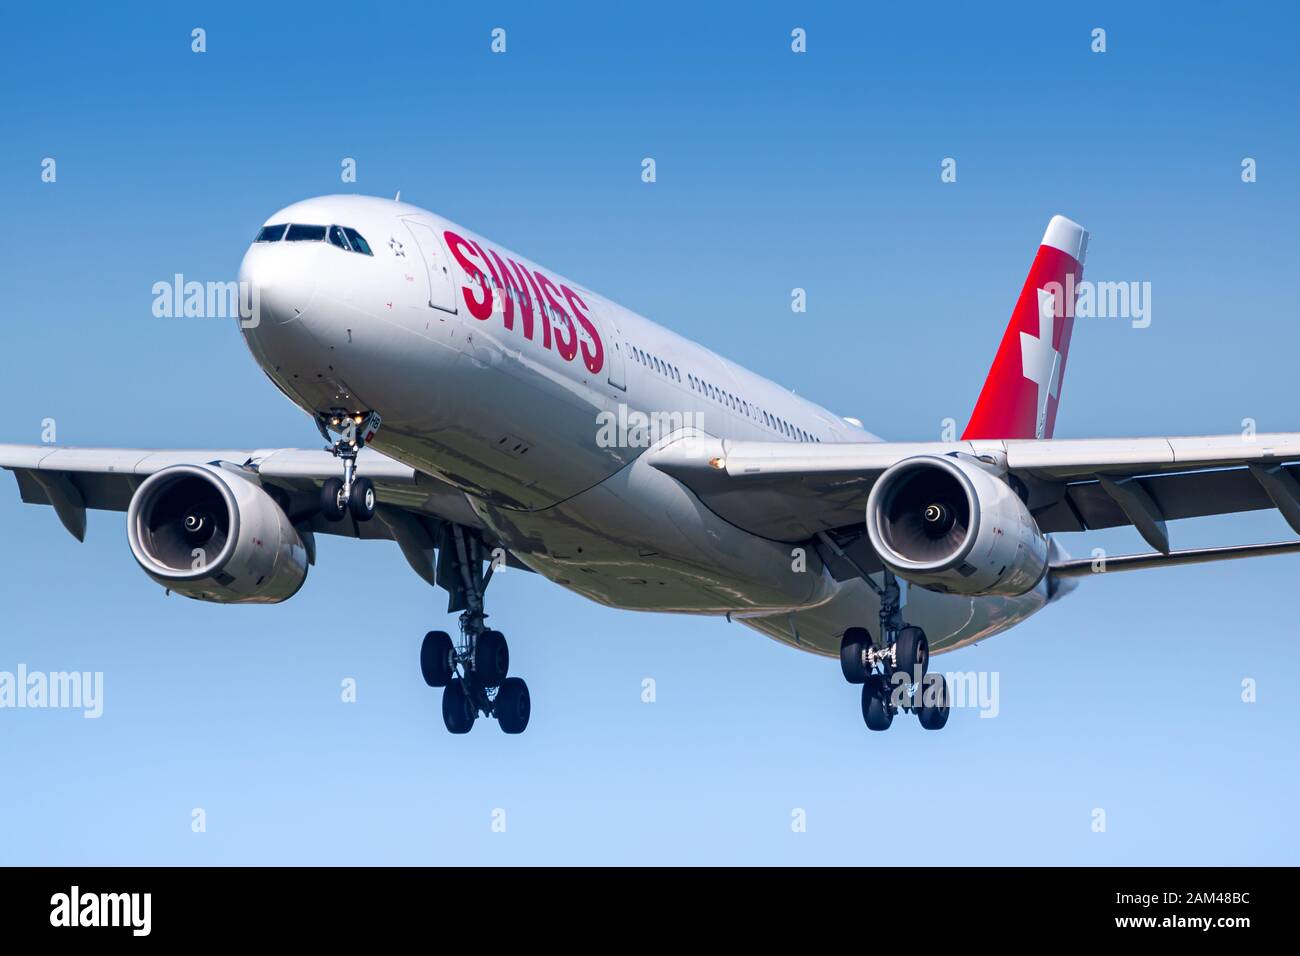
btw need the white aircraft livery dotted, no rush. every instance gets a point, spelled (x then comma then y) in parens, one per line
(480, 410)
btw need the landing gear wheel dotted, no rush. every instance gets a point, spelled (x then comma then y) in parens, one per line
(934, 702)
(362, 500)
(912, 653)
(853, 652)
(458, 711)
(436, 659)
(491, 658)
(332, 503)
(875, 704)
(513, 705)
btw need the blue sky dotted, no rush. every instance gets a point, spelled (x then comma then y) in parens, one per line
(775, 171)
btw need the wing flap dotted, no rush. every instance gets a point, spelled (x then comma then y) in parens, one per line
(1086, 567)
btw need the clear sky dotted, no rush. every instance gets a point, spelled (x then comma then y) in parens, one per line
(775, 170)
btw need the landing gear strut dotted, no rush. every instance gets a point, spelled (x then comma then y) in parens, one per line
(473, 671)
(349, 494)
(894, 675)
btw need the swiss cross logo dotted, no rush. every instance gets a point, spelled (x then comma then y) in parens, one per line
(1040, 362)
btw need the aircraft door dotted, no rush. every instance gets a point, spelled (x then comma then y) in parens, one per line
(442, 288)
(615, 360)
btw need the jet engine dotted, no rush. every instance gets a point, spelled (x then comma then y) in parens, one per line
(950, 525)
(212, 534)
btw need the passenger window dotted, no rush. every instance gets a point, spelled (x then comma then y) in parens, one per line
(270, 233)
(358, 244)
(300, 233)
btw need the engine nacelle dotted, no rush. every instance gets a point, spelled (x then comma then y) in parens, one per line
(210, 534)
(949, 525)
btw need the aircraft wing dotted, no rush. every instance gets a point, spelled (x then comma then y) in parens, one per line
(792, 491)
(411, 505)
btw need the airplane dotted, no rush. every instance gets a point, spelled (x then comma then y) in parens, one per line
(484, 412)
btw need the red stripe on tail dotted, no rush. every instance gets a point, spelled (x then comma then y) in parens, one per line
(1023, 389)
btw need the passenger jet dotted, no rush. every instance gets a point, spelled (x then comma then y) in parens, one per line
(482, 411)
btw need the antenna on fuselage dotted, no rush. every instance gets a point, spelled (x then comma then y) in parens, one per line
(398, 197)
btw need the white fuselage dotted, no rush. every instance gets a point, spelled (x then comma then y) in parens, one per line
(534, 413)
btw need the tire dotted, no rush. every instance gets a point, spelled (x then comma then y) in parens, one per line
(362, 500)
(936, 703)
(912, 653)
(513, 706)
(491, 658)
(853, 646)
(332, 506)
(875, 705)
(435, 659)
(458, 713)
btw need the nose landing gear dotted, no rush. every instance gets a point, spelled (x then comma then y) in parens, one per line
(350, 494)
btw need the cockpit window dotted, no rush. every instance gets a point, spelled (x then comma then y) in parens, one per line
(338, 239)
(345, 237)
(300, 233)
(358, 244)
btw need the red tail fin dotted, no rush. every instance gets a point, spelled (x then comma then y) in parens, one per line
(1021, 394)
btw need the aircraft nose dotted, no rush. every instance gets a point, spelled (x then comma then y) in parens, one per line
(280, 279)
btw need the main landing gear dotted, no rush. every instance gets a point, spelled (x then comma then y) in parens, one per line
(340, 497)
(473, 671)
(894, 676)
